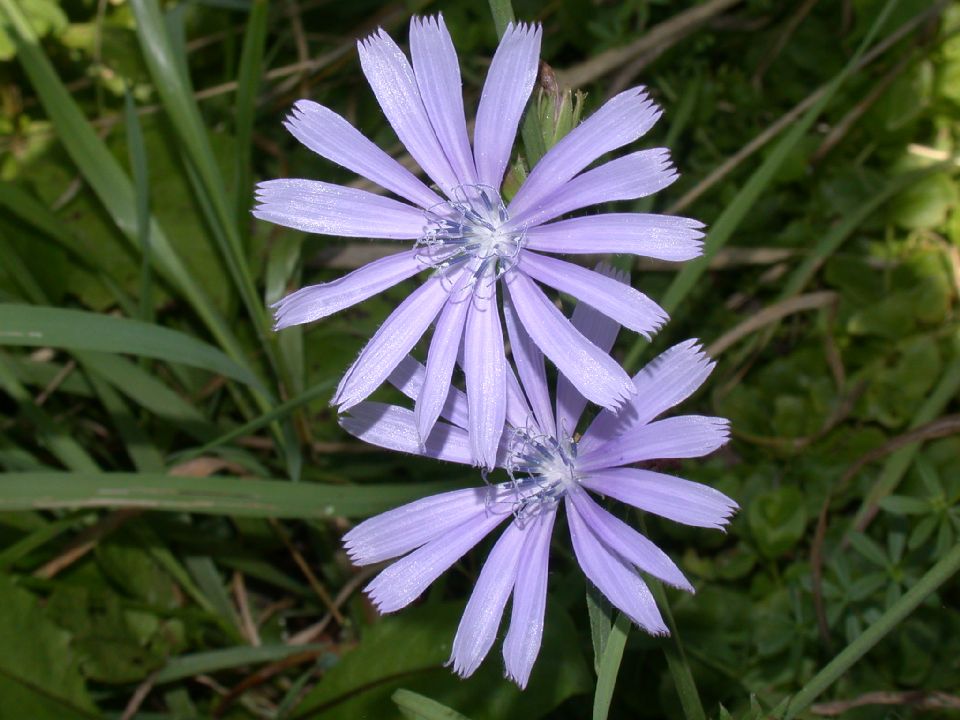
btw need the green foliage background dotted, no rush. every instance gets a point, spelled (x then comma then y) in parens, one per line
(174, 484)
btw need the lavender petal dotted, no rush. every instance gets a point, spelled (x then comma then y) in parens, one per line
(485, 370)
(393, 82)
(529, 361)
(408, 377)
(398, 531)
(481, 618)
(628, 306)
(401, 583)
(622, 585)
(318, 301)
(505, 93)
(666, 381)
(628, 543)
(522, 644)
(318, 207)
(620, 121)
(395, 428)
(627, 178)
(671, 497)
(335, 139)
(602, 332)
(392, 341)
(663, 237)
(437, 71)
(684, 436)
(594, 373)
(441, 358)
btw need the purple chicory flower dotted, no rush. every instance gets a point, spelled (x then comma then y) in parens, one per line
(467, 236)
(549, 465)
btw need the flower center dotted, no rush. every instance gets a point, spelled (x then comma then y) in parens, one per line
(469, 227)
(542, 470)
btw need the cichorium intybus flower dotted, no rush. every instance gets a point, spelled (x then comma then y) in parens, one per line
(465, 238)
(549, 465)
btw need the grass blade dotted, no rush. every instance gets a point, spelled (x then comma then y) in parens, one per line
(736, 211)
(104, 174)
(248, 85)
(29, 326)
(141, 186)
(145, 456)
(279, 412)
(204, 663)
(181, 107)
(896, 613)
(57, 441)
(208, 495)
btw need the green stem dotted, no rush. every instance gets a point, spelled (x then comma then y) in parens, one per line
(610, 666)
(935, 577)
(677, 659)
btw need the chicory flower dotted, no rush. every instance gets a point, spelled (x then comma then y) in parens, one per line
(467, 237)
(549, 465)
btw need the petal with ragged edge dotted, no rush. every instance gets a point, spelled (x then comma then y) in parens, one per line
(505, 93)
(627, 178)
(663, 237)
(666, 381)
(621, 584)
(318, 301)
(437, 71)
(522, 644)
(676, 499)
(481, 618)
(398, 531)
(684, 436)
(335, 139)
(620, 121)
(393, 82)
(594, 373)
(394, 428)
(318, 207)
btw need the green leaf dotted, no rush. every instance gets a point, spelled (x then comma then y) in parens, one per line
(29, 326)
(409, 651)
(210, 495)
(925, 204)
(904, 505)
(600, 613)
(891, 618)
(419, 707)
(777, 520)
(750, 192)
(39, 676)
